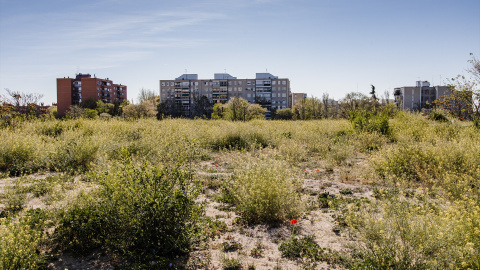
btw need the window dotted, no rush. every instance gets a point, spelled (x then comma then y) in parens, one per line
(284, 88)
(274, 95)
(274, 82)
(240, 83)
(163, 84)
(249, 95)
(229, 83)
(284, 95)
(249, 83)
(239, 89)
(284, 82)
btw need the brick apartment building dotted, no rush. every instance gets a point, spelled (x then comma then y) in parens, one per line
(417, 97)
(267, 90)
(296, 97)
(72, 91)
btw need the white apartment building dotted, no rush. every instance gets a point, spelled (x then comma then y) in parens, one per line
(417, 97)
(267, 90)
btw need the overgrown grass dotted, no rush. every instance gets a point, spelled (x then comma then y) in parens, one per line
(142, 207)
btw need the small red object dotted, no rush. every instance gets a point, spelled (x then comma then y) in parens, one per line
(318, 170)
(216, 165)
(293, 221)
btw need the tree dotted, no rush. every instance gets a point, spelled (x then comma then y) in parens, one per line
(254, 111)
(103, 107)
(308, 108)
(284, 114)
(459, 99)
(90, 113)
(326, 103)
(168, 108)
(146, 94)
(74, 112)
(89, 103)
(353, 101)
(374, 97)
(236, 109)
(20, 100)
(202, 107)
(217, 111)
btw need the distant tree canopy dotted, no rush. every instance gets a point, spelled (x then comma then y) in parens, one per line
(20, 104)
(238, 109)
(146, 94)
(92, 108)
(463, 97)
(89, 103)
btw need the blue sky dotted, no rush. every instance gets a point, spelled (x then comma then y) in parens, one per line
(322, 46)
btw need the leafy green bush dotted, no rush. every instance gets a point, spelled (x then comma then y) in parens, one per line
(17, 157)
(75, 155)
(295, 247)
(90, 113)
(304, 248)
(139, 213)
(19, 243)
(240, 140)
(438, 115)
(264, 192)
(366, 121)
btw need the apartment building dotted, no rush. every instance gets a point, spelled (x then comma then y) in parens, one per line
(267, 90)
(417, 97)
(71, 91)
(296, 97)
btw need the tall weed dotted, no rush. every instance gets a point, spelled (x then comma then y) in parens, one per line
(265, 192)
(140, 213)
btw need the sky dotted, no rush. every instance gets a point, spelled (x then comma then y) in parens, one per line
(322, 46)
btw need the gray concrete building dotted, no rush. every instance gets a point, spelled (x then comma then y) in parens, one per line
(417, 97)
(267, 90)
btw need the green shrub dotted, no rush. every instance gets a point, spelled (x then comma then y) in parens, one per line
(90, 113)
(17, 157)
(476, 122)
(304, 248)
(231, 263)
(75, 155)
(438, 115)
(140, 213)
(396, 234)
(52, 130)
(231, 245)
(14, 200)
(264, 192)
(366, 121)
(240, 141)
(19, 243)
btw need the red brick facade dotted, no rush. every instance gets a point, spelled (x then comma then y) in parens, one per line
(72, 91)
